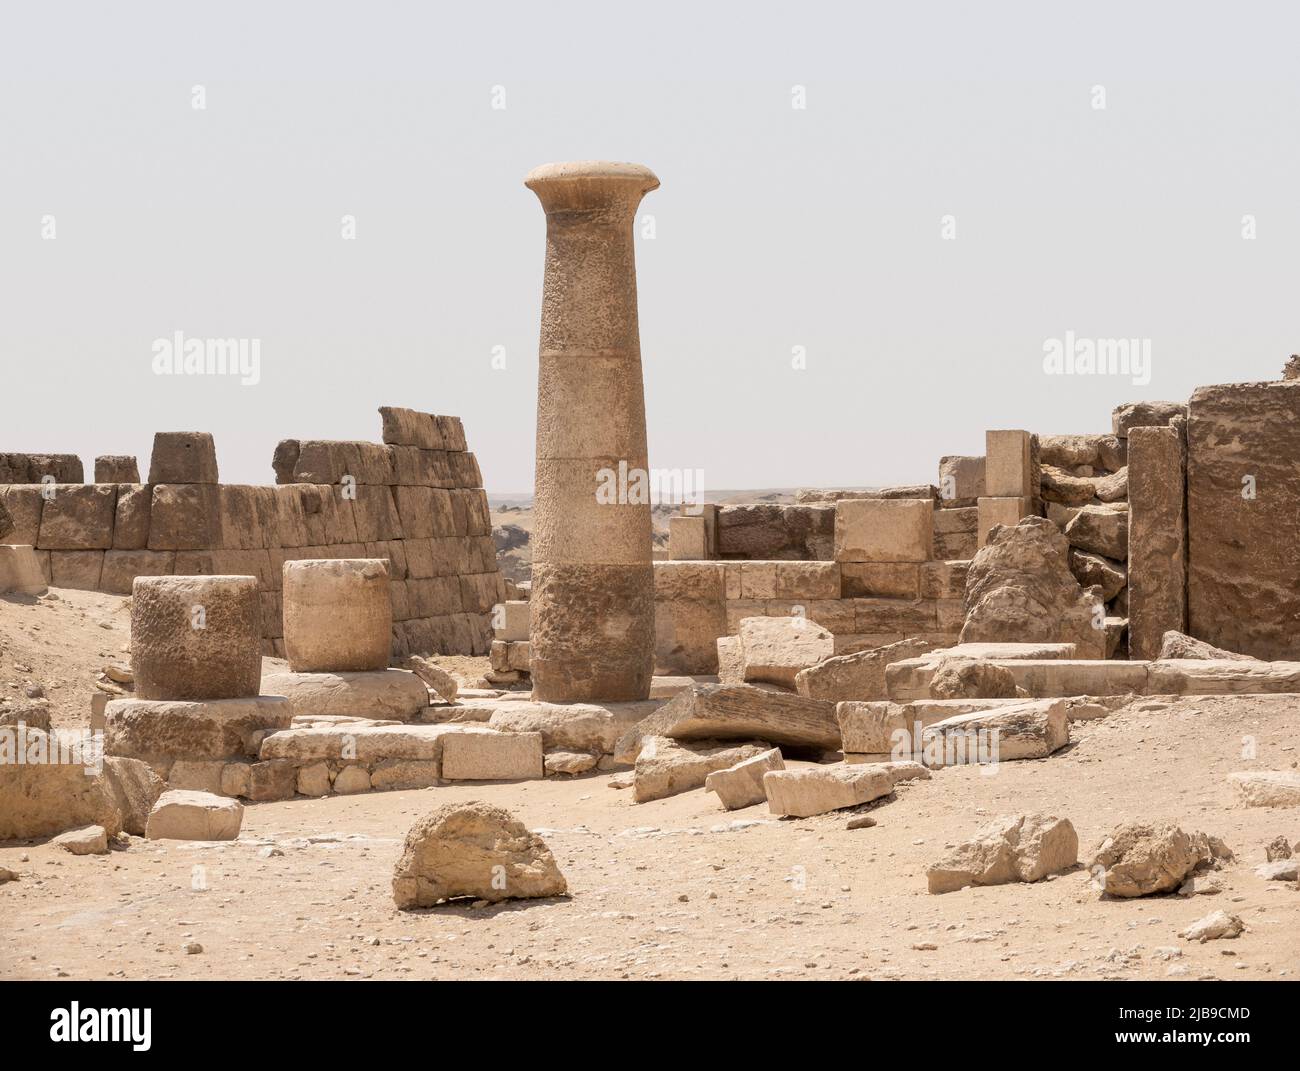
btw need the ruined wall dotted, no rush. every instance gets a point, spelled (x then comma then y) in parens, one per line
(418, 503)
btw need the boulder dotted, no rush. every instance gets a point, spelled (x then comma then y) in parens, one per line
(1019, 588)
(88, 840)
(1015, 847)
(1029, 730)
(858, 676)
(1140, 860)
(738, 712)
(1175, 644)
(196, 637)
(380, 694)
(774, 649)
(473, 850)
(665, 767)
(40, 797)
(742, 785)
(182, 815)
(812, 790)
(962, 678)
(1266, 788)
(1100, 529)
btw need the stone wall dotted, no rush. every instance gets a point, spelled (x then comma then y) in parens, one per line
(418, 503)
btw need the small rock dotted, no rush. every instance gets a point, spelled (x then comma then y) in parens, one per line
(191, 948)
(1215, 926)
(88, 840)
(862, 821)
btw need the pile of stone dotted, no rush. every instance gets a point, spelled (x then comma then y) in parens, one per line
(509, 656)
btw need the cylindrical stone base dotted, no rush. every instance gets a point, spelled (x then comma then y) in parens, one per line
(592, 632)
(338, 615)
(196, 637)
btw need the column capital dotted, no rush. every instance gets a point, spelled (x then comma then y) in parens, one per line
(590, 185)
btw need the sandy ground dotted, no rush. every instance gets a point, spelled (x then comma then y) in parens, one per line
(676, 888)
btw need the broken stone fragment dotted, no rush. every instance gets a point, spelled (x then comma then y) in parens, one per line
(1266, 788)
(961, 678)
(1217, 925)
(88, 840)
(812, 790)
(742, 785)
(858, 676)
(1140, 860)
(774, 649)
(1175, 644)
(1021, 847)
(473, 849)
(665, 767)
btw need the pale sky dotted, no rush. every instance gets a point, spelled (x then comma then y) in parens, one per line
(775, 227)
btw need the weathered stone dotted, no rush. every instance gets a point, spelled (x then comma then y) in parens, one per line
(180, 815)
(665, 767)
(337, 615)
(351, 780)
(1132, 415)
(40, 796)
(1061, 487)
(435, 677)
(1008, 464)
(1215, 926)
(121, 567)
(1243, 498)
(1221, 677)
(116, 468)
(884, 530)
(1019, 587)
(473, 850)
(857, 676)
(1012, 848)
(738, 712)
(742, 785)
(161, 731)
(961, 678)
(78, 517)
(88, 840)
(135, 788)
(197, 775)
(731, 664)
(1004, 512)
(1032, 730)
(585, 727)
(383, 695)
(1090, 569)
(409, 427)
(1100, 529)
(20, 570)
(774, 649)
(1157, 537)
(314, 779)
(961, 479)
(196, 637)
(1178, 645)
(1114, 488)
(1140, 860)
(811, 790)
(569, 763)
(397, 774)
(183, 457)
(492, 756)
(275, 779)
(1266, 788)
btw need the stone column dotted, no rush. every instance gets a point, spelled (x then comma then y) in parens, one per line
(1157, 538)
(592, 631)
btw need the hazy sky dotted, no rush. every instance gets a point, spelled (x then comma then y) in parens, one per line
(775, 227)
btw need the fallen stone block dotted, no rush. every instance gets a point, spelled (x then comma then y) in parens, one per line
(585, 727)
(961, 678)
(1100, 529)
(135, 788)
(738, 712)
(196, 637)
(808, 791)
(1013, 848)
(1032, 730)
(88, 840)
(181, 815)
(338, 615)
(473, 850)
(1141, 860)
(1266, 788)
(665, 767)
(856, 676)
(492, 756)
(1214, 677)
(436, 678)
(160, 732)
(569, 763)
(774, 649)
(382, 694)
(48, 789)
(742, 785)
(1178, 645)
(1145, 415)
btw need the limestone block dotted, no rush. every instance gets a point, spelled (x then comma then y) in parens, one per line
(24, 506)
(880, 580)
(196, 637)
(394, 775)
(514, 620)
(1004, 511)
(687, 539)
(909, 617)
(408, 427)
(884, 530)
(183, 457)
(1266, 788)
(1030, 730)
(87, 840)
(351, 780)
(856, 676)
(1008, 464)
(160, 731)
(741, 785)
(20, 571)
(664, 767)
(182, 815)
(39, 799)
(774, 649)
(197, 775)
(961, 478)
(731, 663)
(274, 779)
(492, 756)
(383, 694)
(314, 779)
(943, 579)
(121, 567)
(808, 791)
(1010, 849)
(1157, 537)
(337, 615)
(116, 468)
(1100, 529)
(184, 517)
(131, 517)
(77, 517)
(77, 569)
(1132, 415)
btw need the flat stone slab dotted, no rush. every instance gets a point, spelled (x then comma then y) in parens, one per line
(1267, 788)
(666, 767)
(592, 727)
(804, 792)
(909, 680)
(384, 694)
(886, 728)
(1028, 730)
(181, 815)
(1214, 676)
(492, 756)
(160, 731)
(362, 743)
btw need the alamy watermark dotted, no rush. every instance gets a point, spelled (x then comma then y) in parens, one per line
(628, 486)
(1073, 356)
(181, 356)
